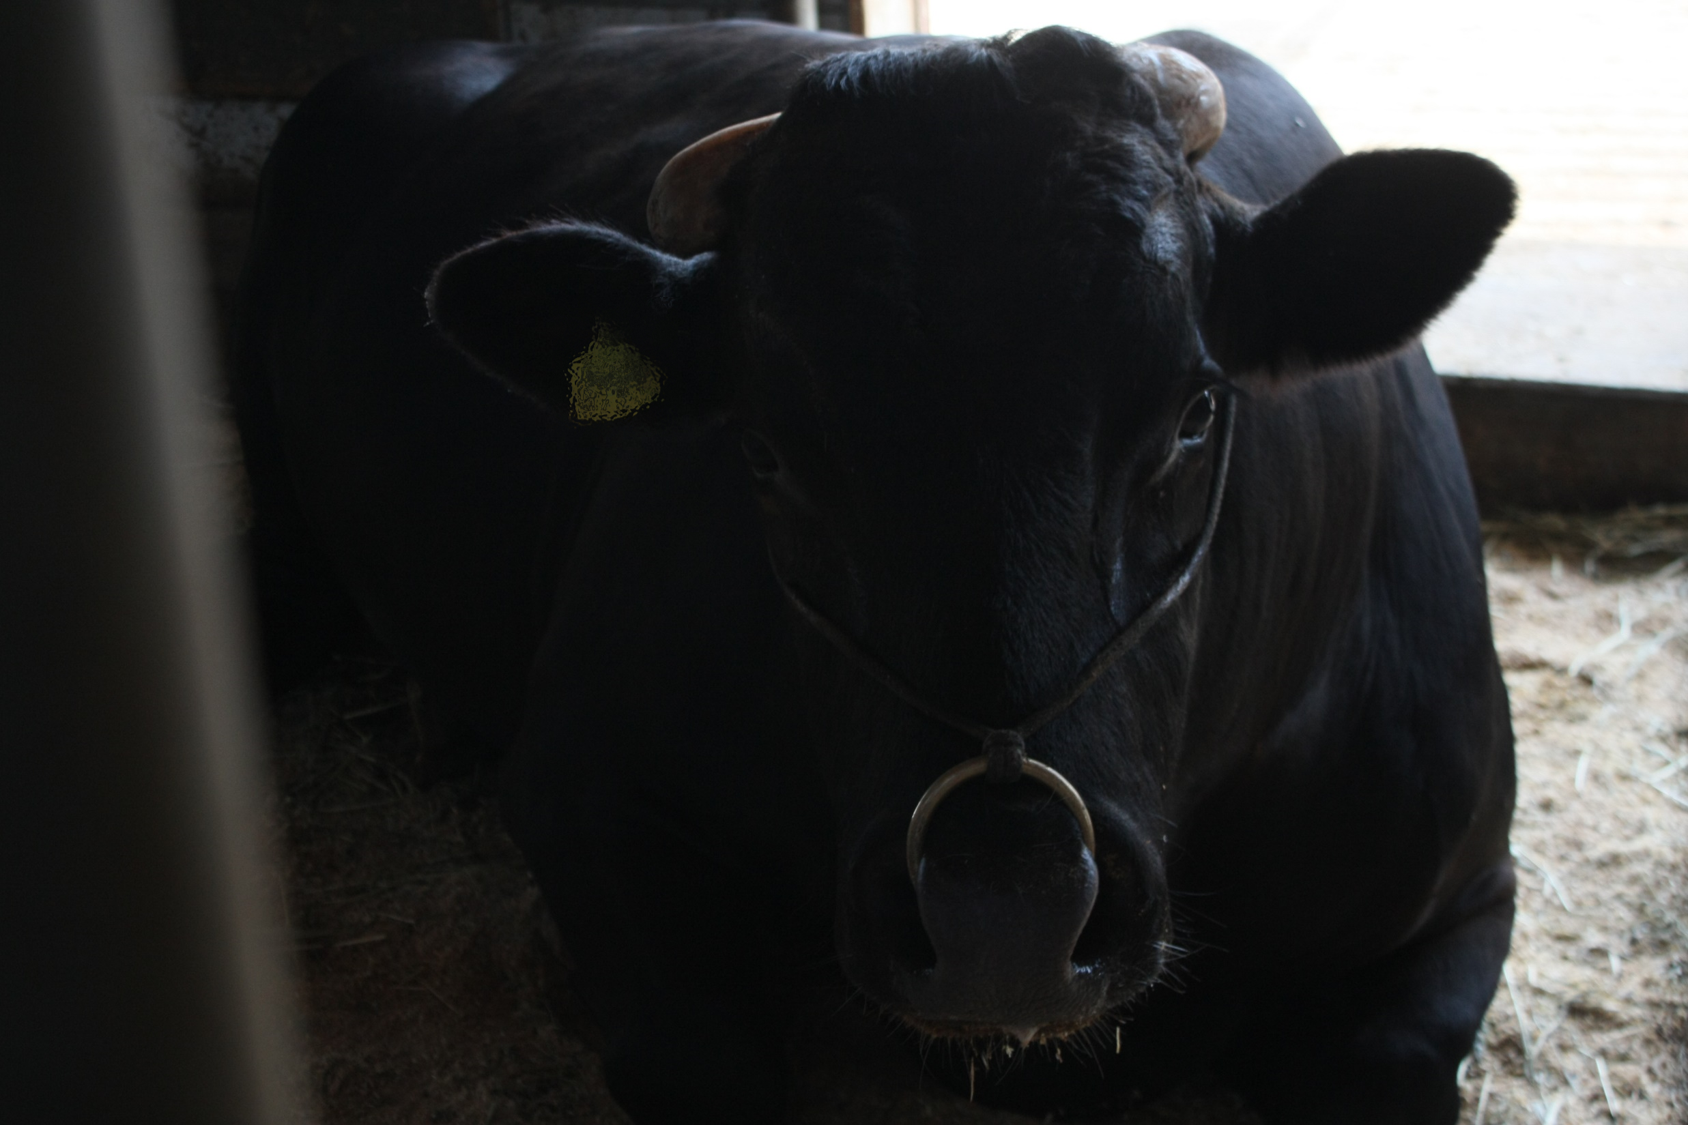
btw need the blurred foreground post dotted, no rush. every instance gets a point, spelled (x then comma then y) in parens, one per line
(139, 982)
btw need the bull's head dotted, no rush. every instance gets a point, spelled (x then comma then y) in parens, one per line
(976, 314)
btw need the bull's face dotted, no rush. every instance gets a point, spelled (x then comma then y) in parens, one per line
(974, 310)
(978, 413)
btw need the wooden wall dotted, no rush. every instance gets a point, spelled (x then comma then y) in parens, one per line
(244, 64)
(279, 48)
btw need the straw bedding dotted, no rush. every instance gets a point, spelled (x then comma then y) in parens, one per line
(432, 993)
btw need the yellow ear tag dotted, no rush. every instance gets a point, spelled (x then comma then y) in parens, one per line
(611, 378)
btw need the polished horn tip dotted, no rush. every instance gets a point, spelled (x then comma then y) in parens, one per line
(1190, 95)
(685, 213)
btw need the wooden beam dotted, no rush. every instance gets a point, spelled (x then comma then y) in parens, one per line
(1570, 447)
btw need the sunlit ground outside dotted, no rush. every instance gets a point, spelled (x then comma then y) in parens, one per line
(1585, 104)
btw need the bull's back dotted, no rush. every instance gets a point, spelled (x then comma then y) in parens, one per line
(441, 502)
(341, 154)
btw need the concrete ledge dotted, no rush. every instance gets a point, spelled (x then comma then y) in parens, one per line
(1569, 312)
(1570, 447)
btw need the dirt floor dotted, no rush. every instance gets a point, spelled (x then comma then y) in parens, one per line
(1591, 621)
(432, 994)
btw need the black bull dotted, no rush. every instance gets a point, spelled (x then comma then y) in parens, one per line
(950, 367)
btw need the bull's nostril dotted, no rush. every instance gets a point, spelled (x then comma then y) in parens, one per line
(1122, 909)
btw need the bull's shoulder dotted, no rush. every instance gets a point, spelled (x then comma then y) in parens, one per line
(343, 151)
(587, 122)
(362, 127)
(1273, 141)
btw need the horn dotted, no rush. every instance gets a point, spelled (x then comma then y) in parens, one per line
(1189, 93)
(684, 212)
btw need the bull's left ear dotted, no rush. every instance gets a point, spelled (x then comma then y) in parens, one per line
(584, 320)
(1355, 263)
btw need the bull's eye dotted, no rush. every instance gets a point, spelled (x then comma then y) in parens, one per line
(1198, 420)
(763, 461)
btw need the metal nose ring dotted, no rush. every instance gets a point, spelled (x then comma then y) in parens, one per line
(974, 767)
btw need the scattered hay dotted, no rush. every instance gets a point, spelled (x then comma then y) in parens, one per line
(1589, 1023)
(427, 993)
(1633, 533)
(431, 997)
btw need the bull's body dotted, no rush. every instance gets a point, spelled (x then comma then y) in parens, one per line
(598, 602)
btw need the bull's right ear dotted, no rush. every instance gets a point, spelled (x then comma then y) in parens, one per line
(1352, 265)
(584, 320)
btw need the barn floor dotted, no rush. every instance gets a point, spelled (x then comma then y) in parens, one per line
(432, 995)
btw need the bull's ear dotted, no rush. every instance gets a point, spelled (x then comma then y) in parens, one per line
(583, 319)
(1355, 263)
